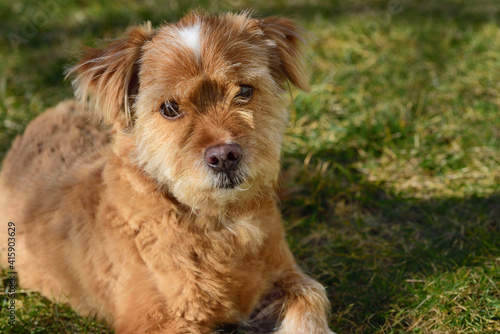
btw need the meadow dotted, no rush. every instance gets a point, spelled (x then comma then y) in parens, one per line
(391, 163)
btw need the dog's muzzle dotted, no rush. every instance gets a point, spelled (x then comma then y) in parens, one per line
(224, 160)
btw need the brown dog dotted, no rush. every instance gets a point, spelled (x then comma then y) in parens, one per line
(166, 222)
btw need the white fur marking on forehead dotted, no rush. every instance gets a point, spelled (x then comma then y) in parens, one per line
(191, 37)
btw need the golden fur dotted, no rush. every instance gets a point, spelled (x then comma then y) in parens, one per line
(128, 222)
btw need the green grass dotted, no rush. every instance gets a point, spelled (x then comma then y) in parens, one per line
(391, 176)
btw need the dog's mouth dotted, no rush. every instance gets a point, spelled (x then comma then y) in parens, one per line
(228, 179)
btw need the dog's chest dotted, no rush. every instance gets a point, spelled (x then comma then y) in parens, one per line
(210, 276)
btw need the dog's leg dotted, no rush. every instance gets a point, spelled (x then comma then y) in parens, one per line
(305, 306)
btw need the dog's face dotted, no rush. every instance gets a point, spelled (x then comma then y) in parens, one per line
(201, 100)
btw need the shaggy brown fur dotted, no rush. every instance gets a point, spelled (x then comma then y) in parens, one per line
(133, 222)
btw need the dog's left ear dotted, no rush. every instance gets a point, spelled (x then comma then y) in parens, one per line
(288, 60)
(108, 78)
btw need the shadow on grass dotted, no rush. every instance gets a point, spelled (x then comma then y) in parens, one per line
(366, 243)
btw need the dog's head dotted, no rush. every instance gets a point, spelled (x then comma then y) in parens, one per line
(201, 101)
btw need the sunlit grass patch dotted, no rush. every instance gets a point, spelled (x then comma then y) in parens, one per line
(463, 301)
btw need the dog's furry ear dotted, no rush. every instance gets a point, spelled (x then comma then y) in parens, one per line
(289, 61)
(108, 78)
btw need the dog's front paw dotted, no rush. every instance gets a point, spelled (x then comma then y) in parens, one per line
(303, 326)
(304, 331)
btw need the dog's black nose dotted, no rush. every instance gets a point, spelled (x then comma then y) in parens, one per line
(223, 158)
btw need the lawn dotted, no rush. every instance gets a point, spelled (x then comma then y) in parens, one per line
(391, 165)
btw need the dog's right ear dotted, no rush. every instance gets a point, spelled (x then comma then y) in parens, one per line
(108, 78)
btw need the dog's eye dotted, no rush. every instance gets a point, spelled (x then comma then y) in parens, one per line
(170, 110)
(244, 95)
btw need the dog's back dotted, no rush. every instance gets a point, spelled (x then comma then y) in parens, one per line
(52, 145)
